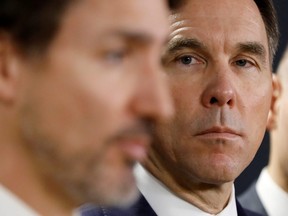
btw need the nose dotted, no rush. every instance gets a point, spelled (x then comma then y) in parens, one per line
(220, 91)
(152, 95)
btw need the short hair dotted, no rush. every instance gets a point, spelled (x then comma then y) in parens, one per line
(175, 4)
(269, 16)
(32, 24)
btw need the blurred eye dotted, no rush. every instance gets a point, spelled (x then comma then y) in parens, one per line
(115, 56)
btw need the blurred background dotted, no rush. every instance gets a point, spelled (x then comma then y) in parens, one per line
(261, 158)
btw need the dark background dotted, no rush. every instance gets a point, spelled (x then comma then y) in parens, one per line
(261, 158)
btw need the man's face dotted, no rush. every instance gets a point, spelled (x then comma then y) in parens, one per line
(218, 67)
(85, 104)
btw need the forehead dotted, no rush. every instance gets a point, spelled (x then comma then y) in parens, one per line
(221, 22)
(88, 17)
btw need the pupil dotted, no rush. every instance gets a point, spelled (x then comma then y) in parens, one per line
(242, 62)
(186, 60)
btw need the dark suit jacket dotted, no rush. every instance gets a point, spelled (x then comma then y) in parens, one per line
(250, 200)
(142, 208)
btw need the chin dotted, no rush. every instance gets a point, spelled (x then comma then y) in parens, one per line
(221, 175)
(120, 198)
(218, 174)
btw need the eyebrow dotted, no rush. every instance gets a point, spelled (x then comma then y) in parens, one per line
(132, 36)
(253, 48)
(182, 43)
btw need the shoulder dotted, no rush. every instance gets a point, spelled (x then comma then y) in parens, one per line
(242, 211)
(249, 196)
(140, 208)
(251, 201)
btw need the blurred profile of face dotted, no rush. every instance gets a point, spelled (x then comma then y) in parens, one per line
(86, 104)
(217, 63)
(278, 156)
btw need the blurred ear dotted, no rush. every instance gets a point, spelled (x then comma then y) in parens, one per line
(277, 91)
(8, 72)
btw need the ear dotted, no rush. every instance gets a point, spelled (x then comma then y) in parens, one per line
(277, 91)
(8, 72)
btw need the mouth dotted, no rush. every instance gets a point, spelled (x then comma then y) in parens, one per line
(134, 141)
(219, 133)
(135, 147)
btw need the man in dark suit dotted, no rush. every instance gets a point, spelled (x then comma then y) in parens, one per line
(269, 195)
(142, 208)
(218, 62)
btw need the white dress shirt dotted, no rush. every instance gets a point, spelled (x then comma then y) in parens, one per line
(165, 203)
(11, 205)
(273, 198)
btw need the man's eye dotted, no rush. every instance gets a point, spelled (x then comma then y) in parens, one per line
(187, 60)
(243, 63)
(115, 55)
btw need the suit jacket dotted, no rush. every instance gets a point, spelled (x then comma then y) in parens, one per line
(250, 200)
(142, 208)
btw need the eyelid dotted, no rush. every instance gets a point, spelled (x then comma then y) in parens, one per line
(169, 57)
(187, 55)
(195, 58)
(249, 60)
(115, 55)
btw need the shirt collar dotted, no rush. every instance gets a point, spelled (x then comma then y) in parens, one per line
(12, 205)
(165, 203)
(273, 197)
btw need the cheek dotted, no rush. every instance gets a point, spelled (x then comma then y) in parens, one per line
(72, 119)
(186, 100)
(164, 141)
(255, 115)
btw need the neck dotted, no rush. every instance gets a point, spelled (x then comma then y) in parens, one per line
(210, 198)
(23, 177)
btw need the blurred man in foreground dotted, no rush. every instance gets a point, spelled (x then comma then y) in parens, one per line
(80, 83)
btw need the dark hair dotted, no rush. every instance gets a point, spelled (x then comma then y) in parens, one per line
(175, 4)
(269, 17)
(32, 24)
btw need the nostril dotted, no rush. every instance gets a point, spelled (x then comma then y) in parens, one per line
(230, 102)
(213, 100)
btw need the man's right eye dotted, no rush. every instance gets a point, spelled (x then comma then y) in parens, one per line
(188, 60)
(115, 56)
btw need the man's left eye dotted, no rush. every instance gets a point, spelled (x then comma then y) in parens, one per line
(115, 55)
(242, 62)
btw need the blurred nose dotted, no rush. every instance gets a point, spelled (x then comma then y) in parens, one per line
(152, 95)
(220, 90)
